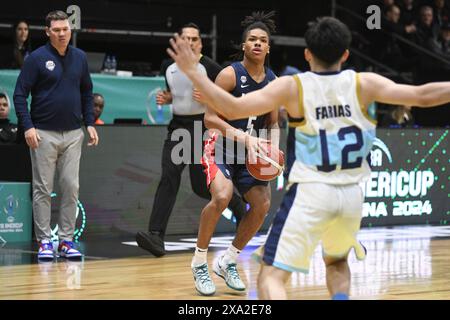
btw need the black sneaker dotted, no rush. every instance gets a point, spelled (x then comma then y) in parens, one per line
(151, 242)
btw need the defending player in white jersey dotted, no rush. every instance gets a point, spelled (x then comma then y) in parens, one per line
(324, 201)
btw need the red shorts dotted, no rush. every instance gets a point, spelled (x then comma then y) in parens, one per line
(208, 159)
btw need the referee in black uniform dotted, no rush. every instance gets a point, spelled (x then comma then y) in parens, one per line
(186, 113)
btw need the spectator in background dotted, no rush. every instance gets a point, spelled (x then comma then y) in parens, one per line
(408, 15)
(8, 131)
(441, 12)
(391, 50)
(57, 76)
(445, 40)
(427, 29)
(392, 16)
(430, 69)
(14, 54)
(99, 104)
(22, 44)
(393, 21)
(427, 36)
(441, 44)
(386, 3)
(408, 19)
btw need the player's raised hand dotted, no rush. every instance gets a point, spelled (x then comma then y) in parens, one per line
(182, 54)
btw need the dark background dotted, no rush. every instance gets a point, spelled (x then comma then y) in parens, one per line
(143, 54)
(165, 16)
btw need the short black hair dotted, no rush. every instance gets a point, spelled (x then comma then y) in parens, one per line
(95, 94)
(189, 25)
(2, 95)
(55, 16)
(327, 39)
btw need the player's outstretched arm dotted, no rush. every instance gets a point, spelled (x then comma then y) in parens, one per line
(378, 88)
(256, 103)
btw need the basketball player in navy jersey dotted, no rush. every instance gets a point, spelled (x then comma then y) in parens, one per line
(186, 113)
(325, 199)
(225, 165)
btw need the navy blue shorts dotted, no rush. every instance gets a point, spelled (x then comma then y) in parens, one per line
(242, 179)
(237, 173)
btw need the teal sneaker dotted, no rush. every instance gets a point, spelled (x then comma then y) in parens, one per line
(203, 282)
(229, 273)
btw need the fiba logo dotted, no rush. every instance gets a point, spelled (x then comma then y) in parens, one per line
(11, 206)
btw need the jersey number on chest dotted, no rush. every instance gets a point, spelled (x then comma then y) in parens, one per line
(250, 124)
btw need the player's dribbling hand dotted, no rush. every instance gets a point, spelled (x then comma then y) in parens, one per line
(254, 146)
(93, 137)
(182, 54)
(32, 138)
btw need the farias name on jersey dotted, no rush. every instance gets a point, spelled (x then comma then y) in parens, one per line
(335, 111)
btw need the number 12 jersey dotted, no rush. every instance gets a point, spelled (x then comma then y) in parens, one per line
(333, 141)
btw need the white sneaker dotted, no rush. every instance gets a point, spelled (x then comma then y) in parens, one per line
(229, 273)
(203, 282)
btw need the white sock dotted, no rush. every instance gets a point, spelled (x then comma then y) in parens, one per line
(199, 257)
(230, 255)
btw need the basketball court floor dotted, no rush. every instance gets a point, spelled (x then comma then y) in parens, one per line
(402, 263)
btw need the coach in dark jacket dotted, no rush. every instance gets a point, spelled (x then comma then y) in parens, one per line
(58, 79)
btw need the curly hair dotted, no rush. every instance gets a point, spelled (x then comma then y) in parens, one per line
(259, 20)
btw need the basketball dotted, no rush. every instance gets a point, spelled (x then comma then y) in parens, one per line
(268, 166)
